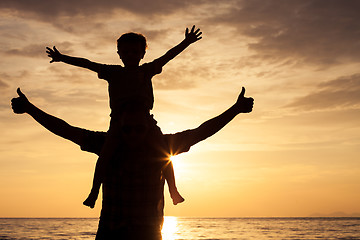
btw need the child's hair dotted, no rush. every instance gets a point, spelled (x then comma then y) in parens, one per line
(132, 37)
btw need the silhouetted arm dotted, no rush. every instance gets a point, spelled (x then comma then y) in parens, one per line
(190, 37)
(212, 126)
(55, 125)
(56, 56)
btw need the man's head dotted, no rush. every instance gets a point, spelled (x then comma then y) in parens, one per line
(131, 48)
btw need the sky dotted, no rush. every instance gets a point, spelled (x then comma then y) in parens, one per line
(296, 154)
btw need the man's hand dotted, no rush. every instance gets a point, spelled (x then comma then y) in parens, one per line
(54, 54)
(244, 104)
(193, 35)
(20, 104)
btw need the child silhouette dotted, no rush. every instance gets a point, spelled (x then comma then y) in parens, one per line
(131, 82)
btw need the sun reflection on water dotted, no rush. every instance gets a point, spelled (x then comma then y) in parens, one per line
(170, 228)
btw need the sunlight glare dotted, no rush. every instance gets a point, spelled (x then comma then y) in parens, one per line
(179, 166)
(173, 157)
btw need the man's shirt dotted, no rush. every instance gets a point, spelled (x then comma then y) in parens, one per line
(134, 183)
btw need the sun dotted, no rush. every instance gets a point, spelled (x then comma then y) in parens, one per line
(173, 158)
(179, 165)
(176, 161)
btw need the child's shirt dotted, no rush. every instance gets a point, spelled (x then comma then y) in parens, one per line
(125, 83)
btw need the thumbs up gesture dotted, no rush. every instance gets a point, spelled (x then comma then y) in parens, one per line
(244, 104)
(20, 104)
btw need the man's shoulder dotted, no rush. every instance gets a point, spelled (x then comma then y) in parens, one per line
(179, 142)
(92, 141)
(178, 134)
(94, 134)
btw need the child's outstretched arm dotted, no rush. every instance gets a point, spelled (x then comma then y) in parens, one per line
(190, 37)
(56, 56)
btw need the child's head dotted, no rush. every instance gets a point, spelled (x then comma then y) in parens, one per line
(131, 48)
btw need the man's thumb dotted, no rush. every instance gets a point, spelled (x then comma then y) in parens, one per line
(242, 94)
(20, 93)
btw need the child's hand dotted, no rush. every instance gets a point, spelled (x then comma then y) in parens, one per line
(54, 54)
(192, 36)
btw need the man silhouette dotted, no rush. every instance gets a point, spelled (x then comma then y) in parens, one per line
(133, 199)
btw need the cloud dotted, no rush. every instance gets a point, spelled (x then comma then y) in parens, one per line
(3, 85)
(310, 31)
(32, 50)
(181, 76)
(36, 50)
(343, 92)
(50, 9)
(7, 80)
(89, 17)
(172, 80)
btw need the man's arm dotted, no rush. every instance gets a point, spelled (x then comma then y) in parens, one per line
(55, 125)
(56, 56)
(212, 126)
(190, 37)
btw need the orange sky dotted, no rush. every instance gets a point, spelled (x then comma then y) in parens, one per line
(296, 154)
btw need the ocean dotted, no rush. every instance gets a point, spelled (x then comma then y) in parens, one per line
(191, 228)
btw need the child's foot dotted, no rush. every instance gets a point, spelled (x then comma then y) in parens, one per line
(177, 198)
(91, 199)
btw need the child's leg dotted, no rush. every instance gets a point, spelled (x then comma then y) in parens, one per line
(100, 169)
(170, 179)
(169, 169)
(97, 180)
(107, 151)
